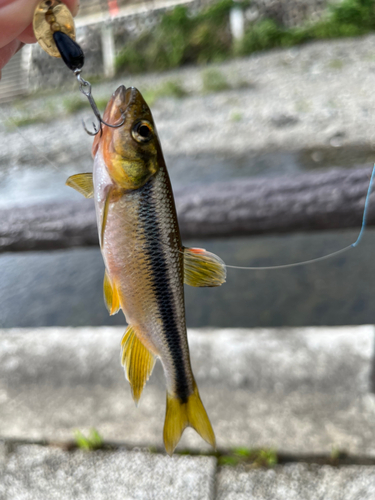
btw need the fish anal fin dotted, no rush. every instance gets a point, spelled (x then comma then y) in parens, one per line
(137, 361)
(180, 415)
(202, 268)
(82, 183)
(111, 296)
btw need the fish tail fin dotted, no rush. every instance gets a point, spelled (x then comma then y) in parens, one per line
(180, 415)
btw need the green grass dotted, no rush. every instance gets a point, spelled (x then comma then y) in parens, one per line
(347, 18)
(254, 458)
(184, 38)
(180, 38)
(213, 80)
(92, 442)
(336, 64)
(24, 121)
(169, 88)
(236, 116)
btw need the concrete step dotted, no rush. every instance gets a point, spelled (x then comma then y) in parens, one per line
(295, 390)
(297, 482)
(32, 472)
(45, 473)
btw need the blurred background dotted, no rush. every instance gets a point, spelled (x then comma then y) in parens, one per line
(239, 90)
(266, 115)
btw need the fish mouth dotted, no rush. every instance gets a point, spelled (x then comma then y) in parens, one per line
(123, 98)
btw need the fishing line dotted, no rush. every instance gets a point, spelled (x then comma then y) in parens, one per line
(324, 257)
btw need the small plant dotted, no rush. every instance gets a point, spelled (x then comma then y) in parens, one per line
(94, 441)
(170, 88)
(236, 116)
(24, 121)
(266, 458)
(253, 458)
(336, 64)
(214, 81)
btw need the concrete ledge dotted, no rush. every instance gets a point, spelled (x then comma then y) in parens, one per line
(45, 473)
(297, 482)
(319, 359)
(297, 390)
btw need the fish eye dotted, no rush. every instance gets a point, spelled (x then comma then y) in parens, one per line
(142, 131)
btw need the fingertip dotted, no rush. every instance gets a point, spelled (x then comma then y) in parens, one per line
(27, 35)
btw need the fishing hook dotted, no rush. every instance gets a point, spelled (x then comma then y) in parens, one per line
(82, 85)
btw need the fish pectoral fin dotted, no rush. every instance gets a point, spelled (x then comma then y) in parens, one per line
(111, 296)
(180, 415)
(82, 183)
(137, 361)
(202, 268)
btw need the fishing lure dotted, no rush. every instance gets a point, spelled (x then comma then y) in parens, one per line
(54, 30)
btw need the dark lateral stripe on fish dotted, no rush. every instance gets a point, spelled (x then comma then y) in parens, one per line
(149, 221)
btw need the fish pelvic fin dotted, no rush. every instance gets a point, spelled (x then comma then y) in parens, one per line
(111, 296)
(180, 415)
(138, 362)
(202, 268)
(82, 183)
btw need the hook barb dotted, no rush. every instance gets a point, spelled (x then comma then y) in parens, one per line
(85, 88)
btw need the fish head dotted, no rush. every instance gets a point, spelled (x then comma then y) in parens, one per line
(131, 152)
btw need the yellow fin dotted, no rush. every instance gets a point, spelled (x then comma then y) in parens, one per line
(137, 361)
(111, 297)
(202, 268)
(82, 183)
(181, 415)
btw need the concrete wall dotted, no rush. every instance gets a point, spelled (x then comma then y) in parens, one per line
(47, 72)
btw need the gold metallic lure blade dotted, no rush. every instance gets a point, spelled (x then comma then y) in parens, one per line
(51, 16)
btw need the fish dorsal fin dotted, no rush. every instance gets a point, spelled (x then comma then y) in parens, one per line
(82, 183)
(202, 268)
(111, 296)
(137, 361)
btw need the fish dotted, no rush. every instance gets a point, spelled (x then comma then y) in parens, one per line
(146, 264)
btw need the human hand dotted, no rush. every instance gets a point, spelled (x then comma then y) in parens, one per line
(16, 28)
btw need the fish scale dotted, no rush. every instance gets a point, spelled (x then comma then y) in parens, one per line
(156, 306)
